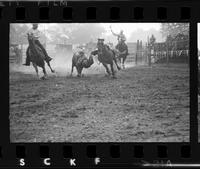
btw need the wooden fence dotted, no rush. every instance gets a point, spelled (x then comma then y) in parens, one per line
(162, 53)
(132, 48)
(175, 52)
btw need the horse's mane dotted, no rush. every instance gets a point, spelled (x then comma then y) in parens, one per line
(33, 47)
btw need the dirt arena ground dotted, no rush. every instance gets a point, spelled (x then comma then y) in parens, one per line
(142, 105)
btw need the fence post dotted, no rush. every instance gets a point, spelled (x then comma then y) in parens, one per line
(137, 52)
(149, 55)
(21, 53)
(167, 54)
(146, 53)
(141, 50)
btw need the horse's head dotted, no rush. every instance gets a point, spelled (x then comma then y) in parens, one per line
(30, 37)
(100, 45)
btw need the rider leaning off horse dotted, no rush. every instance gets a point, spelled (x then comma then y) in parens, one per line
(36, 35)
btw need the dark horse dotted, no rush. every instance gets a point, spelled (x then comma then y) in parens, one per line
(122, 52)
(106, 56)
(80, 61)
(37, 56)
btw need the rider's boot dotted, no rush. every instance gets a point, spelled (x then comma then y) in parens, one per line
(27, 63)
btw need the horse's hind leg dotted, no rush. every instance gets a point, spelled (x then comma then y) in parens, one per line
(123, 60)
(112, 69)
(36, 69)
(115, 60)
(107, 69)
(45, 73)
(53, 71)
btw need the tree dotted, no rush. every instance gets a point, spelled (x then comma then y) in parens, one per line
(18, 33)
(174, 29)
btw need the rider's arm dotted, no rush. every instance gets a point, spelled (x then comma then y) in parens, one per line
(124, 37)
(37, 34)
(28, 32)
(115, 34)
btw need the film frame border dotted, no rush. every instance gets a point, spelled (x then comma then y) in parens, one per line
(149, 12)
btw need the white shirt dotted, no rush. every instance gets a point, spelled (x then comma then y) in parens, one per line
(35, 32)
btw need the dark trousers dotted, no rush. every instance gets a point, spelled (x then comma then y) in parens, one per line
(37, 42)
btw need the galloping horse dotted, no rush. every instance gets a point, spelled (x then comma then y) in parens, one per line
(106, 56)
(37, 57)
(122, 52)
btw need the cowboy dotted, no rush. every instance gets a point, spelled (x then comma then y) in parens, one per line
(96, 51)
(36, 35)
(120, 37)
(100, 41)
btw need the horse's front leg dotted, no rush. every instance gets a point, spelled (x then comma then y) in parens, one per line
(36, 69)
(45, 73)
(115, 60)
(112, 69)
(53, 71)
(123, 60)
(107, 69)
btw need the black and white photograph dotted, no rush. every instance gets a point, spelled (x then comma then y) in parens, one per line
(198, 45)
(99, 82)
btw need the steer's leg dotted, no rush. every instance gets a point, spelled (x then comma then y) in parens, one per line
(72, 69)
(79, 69)
(80, 72)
